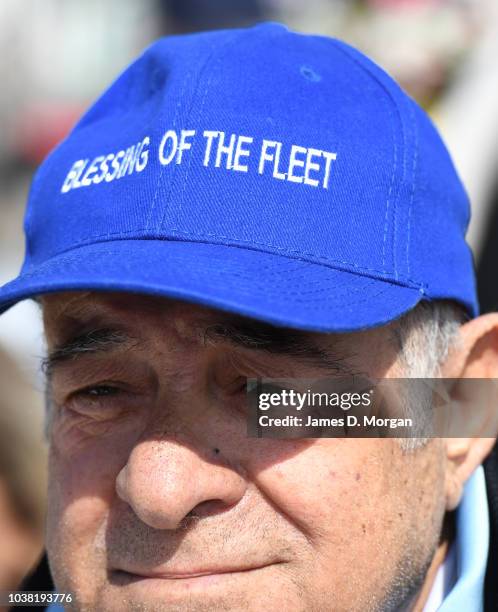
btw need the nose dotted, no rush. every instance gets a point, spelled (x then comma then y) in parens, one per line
(164, 480)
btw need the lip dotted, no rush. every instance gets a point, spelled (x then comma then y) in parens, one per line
(136, 575)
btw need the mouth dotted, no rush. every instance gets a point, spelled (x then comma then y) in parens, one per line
(197, 577)
(132, 576)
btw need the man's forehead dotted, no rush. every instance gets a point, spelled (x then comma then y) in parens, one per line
(64, 312)
(79, 303)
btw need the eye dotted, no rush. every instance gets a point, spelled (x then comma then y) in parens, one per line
(95, 403)
(86, 408)
(98, 391)
(98, 401)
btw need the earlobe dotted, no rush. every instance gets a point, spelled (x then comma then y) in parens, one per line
(453, 488)
(457, 452)
(464, 455)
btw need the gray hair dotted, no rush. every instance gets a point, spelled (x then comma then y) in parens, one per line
(425, 336)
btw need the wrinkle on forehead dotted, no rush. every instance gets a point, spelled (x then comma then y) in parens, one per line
(57, 304)
(60, 310)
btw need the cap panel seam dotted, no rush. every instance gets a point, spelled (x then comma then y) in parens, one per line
(214, 50)
(404, 146)
(412, 190)
(161, 174)
(344, 50)
(160, 178)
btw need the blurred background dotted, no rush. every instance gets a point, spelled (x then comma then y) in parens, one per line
(56, 56)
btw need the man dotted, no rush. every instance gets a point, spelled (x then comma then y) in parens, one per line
(241, 204)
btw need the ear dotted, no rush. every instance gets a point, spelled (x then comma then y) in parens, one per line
(474, 356)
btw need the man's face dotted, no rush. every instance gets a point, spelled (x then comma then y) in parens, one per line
(158, 500)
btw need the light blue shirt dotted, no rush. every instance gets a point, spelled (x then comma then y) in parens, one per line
(472, 547)
(471, 544)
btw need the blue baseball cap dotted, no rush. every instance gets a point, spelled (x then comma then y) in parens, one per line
(260, 171)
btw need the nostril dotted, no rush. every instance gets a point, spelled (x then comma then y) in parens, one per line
(208, 508)
(308, 73)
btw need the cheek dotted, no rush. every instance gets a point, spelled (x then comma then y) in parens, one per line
(359, 505)
(81, 491)
(322, 486)
(334, 492)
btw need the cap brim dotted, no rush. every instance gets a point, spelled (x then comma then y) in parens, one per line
(272, 288)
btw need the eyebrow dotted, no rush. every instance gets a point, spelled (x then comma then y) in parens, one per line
(267, 338)
(240, 333)
(93, 341)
